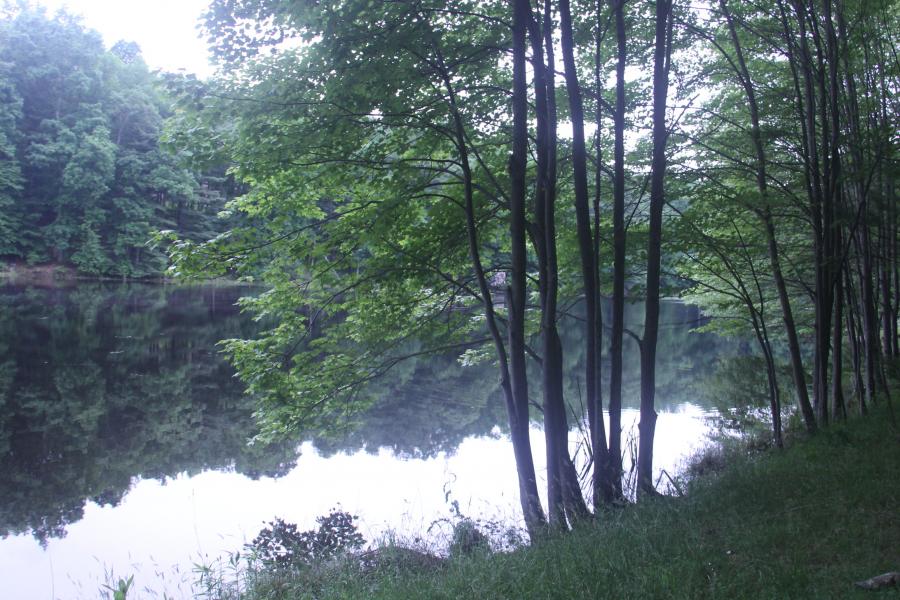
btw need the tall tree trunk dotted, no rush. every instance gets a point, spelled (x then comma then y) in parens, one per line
(762, 338)
(870, 318)
(894, 241)
(831, 272)
(790, 328)
(837, 346)
(856, 190)
(855, 343)
(885, 279)
(516, 404)
(561, 474)
(585, 240)
(519, 420)
(819, 205)
(765, 214)
(545, 245)
(619, 240)
(647, 425)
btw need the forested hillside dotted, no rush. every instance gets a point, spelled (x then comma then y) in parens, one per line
(83, 179)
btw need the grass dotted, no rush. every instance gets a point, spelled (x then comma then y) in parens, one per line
(802, 523)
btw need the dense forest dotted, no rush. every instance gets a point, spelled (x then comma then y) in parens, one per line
(83, 178)
(421, 178)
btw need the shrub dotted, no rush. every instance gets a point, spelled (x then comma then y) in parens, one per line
(280, 544)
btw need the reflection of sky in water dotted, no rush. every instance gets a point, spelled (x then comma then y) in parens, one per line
(160, 530)
(170, 407)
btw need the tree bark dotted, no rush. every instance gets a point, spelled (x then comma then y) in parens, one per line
(647, 425)
(560, 469)
(855, 343)
(837, 346)
(619, 241)
(585, 242)
(519, 419)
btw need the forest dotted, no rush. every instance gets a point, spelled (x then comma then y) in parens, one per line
(415, 178)
(84, 179)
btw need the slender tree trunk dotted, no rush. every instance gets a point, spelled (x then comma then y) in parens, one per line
(647, 425)
(885, 276)
(545, 246)
(561, 471)
(870, 319)
(765, 214)
(619, 241)
(516, 405)
(519, 419)
(601, 475)
(585, 243)
(819, 206)
(837, 345)
(857, 190)
(855, 343)
(762, 338)
(831, 270)
(604, 474)
(895, 265)
(790, 329)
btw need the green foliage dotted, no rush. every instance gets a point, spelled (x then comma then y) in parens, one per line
(468, 539)
(83, 180)
(738, 391)
(354, 216)
(121, 589)
(281, 545)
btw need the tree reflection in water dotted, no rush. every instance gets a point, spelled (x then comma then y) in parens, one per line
(101, 385)
(104, 384)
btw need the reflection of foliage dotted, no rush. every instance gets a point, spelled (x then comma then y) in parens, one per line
(422, 407)
(429, 404)
(282, 545)
(683, 356)
(106, 385)
(738, 391)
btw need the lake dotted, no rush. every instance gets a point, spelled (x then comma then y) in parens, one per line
(124, 439)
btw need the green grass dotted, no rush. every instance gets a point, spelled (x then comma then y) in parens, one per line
(802, 523)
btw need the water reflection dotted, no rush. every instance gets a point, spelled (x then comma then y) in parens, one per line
(123, 430)
(101, 386)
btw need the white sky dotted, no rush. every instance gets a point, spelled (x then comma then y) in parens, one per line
(166, 30)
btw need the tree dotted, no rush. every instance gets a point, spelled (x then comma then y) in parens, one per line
(661, 66)
(84, 181)
(408, 186)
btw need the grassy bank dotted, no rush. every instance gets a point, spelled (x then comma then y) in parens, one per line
(803, 523)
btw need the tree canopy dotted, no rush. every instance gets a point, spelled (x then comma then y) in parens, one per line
(83, 178)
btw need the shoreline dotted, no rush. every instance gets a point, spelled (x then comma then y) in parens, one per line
(804, 522)
(61, 275)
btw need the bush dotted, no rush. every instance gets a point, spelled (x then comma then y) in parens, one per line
(282, 545)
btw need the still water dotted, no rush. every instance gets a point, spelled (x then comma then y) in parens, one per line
(123, 440)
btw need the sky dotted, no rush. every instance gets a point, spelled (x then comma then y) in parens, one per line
(166, 30)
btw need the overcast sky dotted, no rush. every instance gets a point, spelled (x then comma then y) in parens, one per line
(166, 30)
